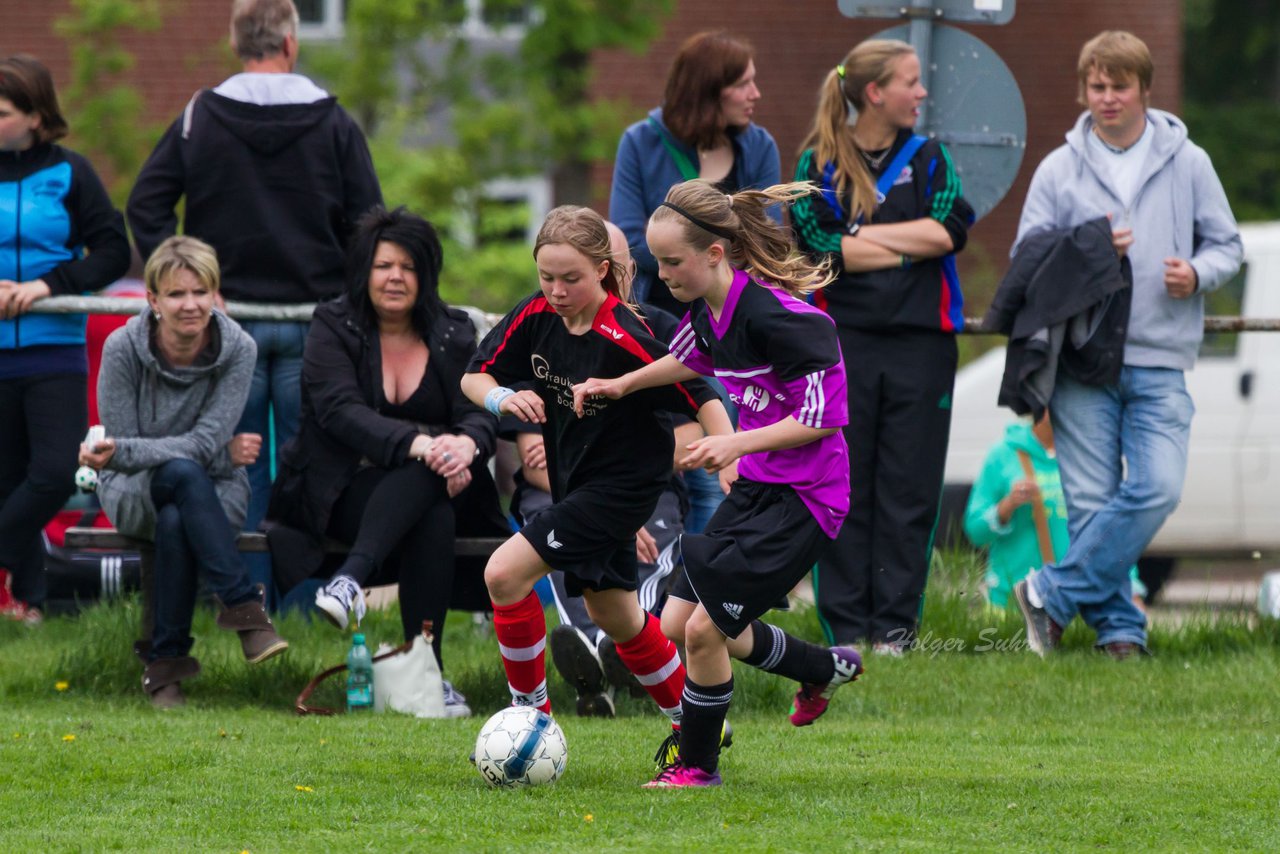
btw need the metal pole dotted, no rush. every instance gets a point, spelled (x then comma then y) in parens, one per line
(921, 38)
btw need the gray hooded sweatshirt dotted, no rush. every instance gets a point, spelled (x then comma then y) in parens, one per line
(156, 414)
(1178, 210)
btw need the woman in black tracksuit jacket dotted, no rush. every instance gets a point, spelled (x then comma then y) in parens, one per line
(890, 219)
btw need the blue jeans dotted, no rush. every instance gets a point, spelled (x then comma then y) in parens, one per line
(1123, 456)
(193, 538)
(275, 399)
(705, 494)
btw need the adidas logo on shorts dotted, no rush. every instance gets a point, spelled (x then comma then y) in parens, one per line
(735, 611)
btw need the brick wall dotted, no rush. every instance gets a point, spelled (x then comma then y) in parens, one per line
(188, 52)
(797, 42)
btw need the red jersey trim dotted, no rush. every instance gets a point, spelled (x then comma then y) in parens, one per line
(606, 324)
(538, 305)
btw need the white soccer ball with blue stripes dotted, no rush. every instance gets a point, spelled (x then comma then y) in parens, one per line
(521, 746)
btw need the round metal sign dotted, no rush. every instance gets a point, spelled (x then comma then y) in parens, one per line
(975, 109)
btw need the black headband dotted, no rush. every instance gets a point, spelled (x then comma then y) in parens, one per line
(700, 223)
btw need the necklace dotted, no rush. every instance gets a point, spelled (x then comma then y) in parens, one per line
(875, 161)
(1114, 149)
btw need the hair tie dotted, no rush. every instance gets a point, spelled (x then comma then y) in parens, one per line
(840, 71)
(729, 196)
(701, 223)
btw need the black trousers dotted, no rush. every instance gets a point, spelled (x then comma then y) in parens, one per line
(42, 421)
(870, 583)
(400, 526)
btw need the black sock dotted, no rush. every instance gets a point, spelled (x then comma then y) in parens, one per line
(705, 707)
(360, 567)
(775, 651)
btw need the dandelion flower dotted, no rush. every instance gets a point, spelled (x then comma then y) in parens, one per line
(69, 737)
(304, 788)
(61, 685)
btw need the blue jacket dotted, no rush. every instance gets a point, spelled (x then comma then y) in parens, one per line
(644, 171)
(52, 208)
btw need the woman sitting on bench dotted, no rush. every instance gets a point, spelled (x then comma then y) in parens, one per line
(386, 439)
(172, 385)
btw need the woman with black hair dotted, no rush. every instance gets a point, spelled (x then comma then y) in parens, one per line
(386, 438)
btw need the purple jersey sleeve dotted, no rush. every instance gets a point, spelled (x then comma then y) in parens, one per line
(684, 346)
(805, 354)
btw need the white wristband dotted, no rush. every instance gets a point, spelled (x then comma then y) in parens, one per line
(494, 398)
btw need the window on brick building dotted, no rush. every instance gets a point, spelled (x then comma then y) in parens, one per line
(325, 19)
(321, 19)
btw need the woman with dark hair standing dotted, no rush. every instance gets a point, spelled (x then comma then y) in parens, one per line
(52, 209)
(889, 219)
(386, 438)
(702, 130)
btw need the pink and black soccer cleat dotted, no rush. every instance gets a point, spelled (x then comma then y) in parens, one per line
(811, 700)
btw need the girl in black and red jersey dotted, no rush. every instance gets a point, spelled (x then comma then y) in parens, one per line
(607, 469)
(889, 220)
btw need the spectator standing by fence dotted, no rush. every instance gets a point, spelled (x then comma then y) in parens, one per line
(890, 218)
(1122, 446)
(53, 208)
(703, 129)
(275, 175)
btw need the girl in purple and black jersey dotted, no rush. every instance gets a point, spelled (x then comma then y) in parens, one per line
(780, 360)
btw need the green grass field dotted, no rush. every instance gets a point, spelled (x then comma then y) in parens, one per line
(968, 743)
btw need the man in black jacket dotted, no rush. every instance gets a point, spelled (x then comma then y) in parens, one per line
(275, 174)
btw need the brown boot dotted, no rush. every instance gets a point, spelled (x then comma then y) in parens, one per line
(161, 680)
(258, 636)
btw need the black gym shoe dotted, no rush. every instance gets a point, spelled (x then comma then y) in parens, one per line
(616, 672)
(1043, 634)
(579, 664)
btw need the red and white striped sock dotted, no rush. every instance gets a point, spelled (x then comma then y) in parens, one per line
(653, 658)
(521, 630)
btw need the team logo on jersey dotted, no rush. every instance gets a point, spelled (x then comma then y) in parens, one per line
(552, 541)
(905, 176)
(733, 609)
(617, 336)
(755, 398)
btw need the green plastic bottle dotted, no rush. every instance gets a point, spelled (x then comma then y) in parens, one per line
(359, 676)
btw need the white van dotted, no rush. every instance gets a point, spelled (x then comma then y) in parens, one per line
(1231, 502)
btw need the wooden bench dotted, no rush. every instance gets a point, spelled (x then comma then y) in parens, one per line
(248, 542)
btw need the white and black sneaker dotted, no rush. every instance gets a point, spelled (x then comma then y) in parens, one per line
(339, 597)
(578, 662)
(455, 704)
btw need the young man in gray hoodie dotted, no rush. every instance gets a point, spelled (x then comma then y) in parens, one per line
(1123, 447)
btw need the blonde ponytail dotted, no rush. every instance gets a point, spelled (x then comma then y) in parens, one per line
(831, 136)
(757, 244)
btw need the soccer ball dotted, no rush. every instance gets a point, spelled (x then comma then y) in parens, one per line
(521, 746)
(86, 478)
